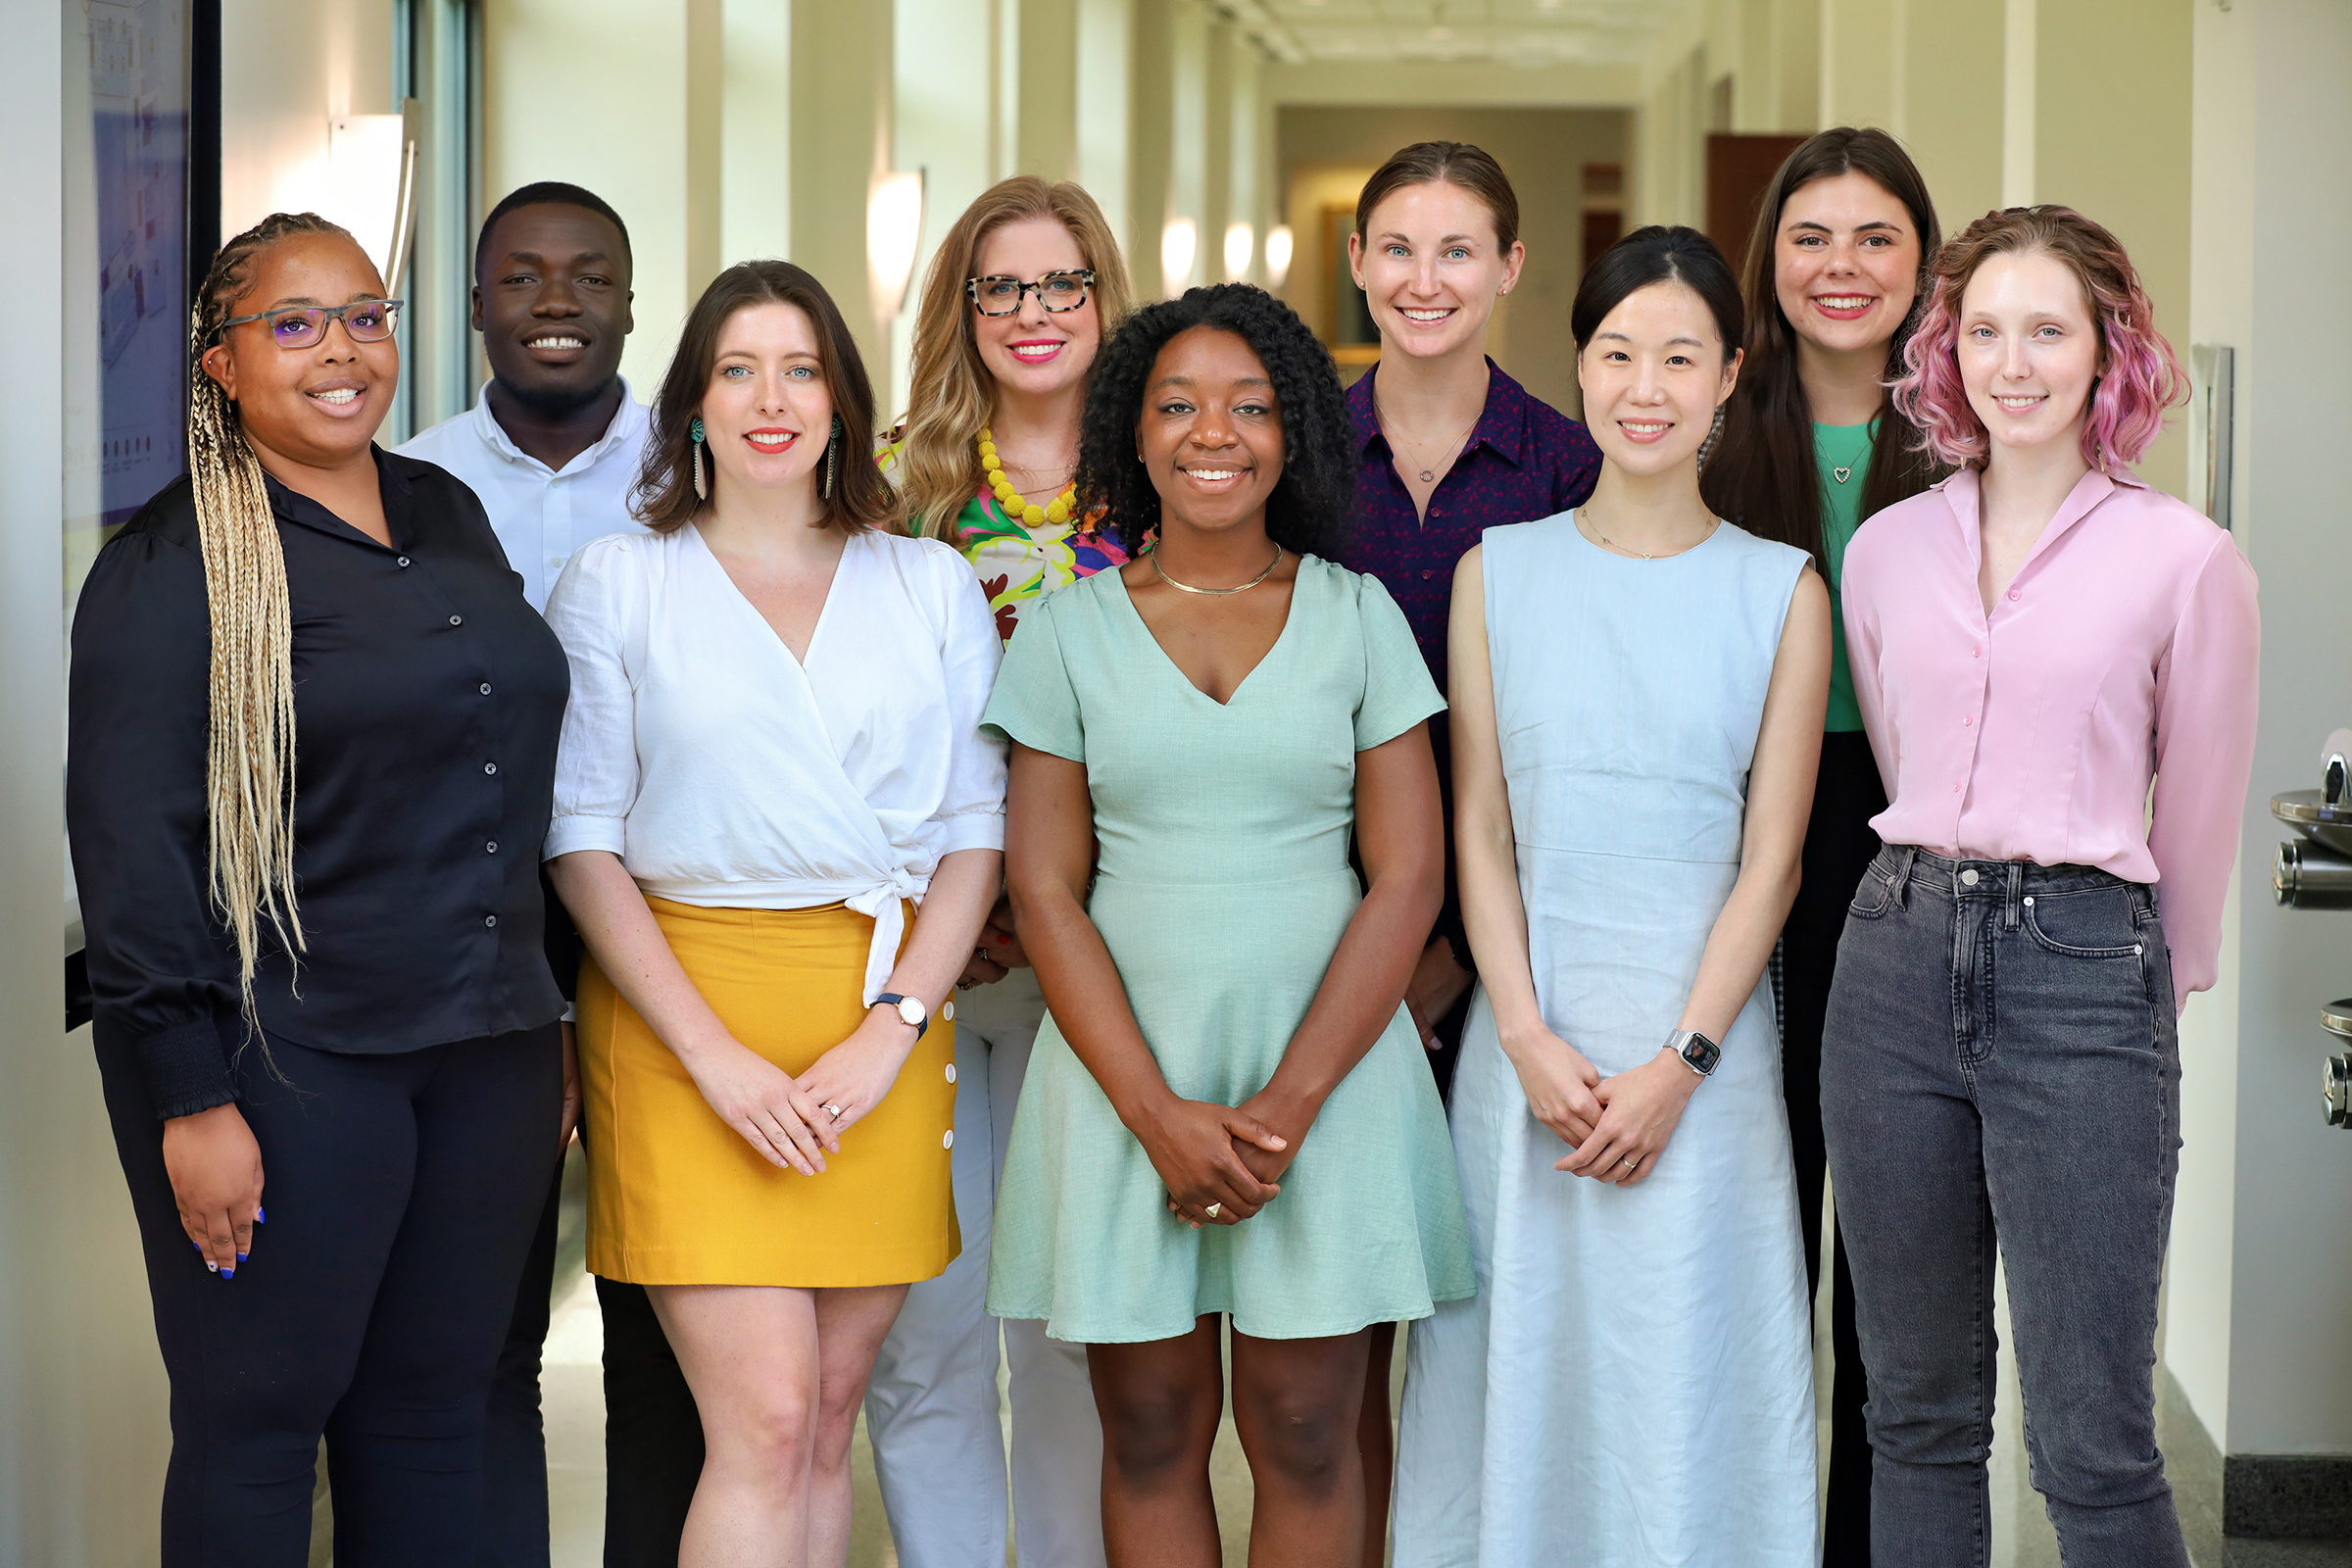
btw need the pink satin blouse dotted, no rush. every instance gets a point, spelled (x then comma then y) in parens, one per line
(2123, 655)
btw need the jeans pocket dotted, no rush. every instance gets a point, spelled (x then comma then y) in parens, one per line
(2094, 924)
(1873, 897)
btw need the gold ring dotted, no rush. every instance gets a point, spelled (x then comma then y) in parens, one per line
(1211, 1210)
(1631, 1164)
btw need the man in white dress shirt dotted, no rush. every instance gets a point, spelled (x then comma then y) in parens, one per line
(552, 447)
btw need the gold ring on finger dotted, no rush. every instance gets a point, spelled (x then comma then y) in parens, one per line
(1213, 1209)
(1632, 1164)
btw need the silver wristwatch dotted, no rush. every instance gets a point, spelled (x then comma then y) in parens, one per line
(1699, 1053)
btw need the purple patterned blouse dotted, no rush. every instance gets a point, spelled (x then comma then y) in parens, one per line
(1525, 461)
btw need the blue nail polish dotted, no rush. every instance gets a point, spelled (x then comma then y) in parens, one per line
(241, 1257)
(228, 1273)
(260, 1215)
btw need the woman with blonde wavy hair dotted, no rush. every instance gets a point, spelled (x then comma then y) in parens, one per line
(312, 745)
(1019, 299)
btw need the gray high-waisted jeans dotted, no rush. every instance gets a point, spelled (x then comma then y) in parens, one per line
(2000, 1061)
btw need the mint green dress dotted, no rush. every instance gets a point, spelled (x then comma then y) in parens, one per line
(1222, 891)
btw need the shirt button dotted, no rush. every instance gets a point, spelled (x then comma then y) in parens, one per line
(489, 919)
(947, 1140)
(404, 560)
(555, 561)
(490, 848)
(1967, 719)
(951, 1072)
(457, 620)
(1976, 653)
(2013, 593)
(1427, 573)
(1955, 786)
(489, 768)
(485, 688)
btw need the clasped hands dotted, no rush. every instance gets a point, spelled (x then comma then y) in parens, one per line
(1220, 1163)
(791, 1122)
(1616, 1127)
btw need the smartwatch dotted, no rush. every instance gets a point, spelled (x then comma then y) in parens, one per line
(911, 1012)
(1698, 1053)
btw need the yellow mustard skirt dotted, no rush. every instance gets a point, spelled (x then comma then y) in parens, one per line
(676, 1197)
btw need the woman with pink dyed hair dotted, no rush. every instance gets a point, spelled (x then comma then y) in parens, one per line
(2055, 664)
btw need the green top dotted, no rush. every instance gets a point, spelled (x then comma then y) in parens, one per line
(1843, 453)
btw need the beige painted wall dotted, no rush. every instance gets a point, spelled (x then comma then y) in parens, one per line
(1326, 152)
(2199, 1285)
(2122, 156)
(542, 61)
(2290, 1269)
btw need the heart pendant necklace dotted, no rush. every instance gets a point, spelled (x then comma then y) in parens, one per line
(1843, 475)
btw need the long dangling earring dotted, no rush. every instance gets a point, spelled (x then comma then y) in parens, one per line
(832, 453)
(694, 433)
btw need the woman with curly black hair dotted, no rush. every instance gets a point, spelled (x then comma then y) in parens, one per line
(1226, 1111)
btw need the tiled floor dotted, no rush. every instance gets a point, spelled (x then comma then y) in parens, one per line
(574, 1405)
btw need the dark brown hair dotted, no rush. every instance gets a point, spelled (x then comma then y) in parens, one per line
(1762, 473)
(861, 498)
(1456, 163)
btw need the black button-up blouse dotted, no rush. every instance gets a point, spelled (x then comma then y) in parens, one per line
(428, 699)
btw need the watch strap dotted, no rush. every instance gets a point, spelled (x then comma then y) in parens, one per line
(1699, 1053)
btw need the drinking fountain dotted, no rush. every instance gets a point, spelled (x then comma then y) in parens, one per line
(2315, 872)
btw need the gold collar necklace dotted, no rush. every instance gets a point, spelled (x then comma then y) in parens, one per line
(1215, 593)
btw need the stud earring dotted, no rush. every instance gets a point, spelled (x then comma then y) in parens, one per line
(832, 456)
(694, 433)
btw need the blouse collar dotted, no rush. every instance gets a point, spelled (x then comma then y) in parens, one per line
(1501, 426)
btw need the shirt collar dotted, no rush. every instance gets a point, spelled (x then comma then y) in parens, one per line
(628, 421)
(292, 505)
(1963, 492)
(1501, 426)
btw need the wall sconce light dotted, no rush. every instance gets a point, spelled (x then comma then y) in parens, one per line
(372, 185)
(1278, 255)
(1240, 240)
(1178, 242)
(894, 232)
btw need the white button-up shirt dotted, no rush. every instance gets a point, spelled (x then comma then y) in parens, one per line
(542, 515)
(726, 773)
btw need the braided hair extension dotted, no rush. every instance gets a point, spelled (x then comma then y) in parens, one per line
(249, 763)
(1310, 509)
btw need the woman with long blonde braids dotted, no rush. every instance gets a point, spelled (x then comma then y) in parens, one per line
(1021, 294)
(313, 735)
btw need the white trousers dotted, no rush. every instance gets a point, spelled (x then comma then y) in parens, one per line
(932, 1408)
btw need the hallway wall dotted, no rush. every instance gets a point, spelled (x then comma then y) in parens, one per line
(1542, 150)
(2213, 140)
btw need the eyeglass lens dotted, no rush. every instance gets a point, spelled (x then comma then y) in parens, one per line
(367, 322)
(1055, 291)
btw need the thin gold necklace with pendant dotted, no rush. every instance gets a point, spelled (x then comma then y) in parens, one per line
(1585, 517)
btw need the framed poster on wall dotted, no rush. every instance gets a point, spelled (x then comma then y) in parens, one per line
(142, 204)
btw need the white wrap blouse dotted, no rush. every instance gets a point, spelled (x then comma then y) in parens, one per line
(726, 773)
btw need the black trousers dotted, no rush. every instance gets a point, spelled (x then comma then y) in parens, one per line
(514, 1521)
(652, 1433)
(1839, 847)
(401, 1194)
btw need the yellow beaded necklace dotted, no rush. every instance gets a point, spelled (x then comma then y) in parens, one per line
(1007, 497)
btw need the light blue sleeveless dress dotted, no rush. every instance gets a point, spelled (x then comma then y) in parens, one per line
(1631, 1387)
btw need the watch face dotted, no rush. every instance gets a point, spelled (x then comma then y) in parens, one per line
(1702, 1054)
(911, 1011)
